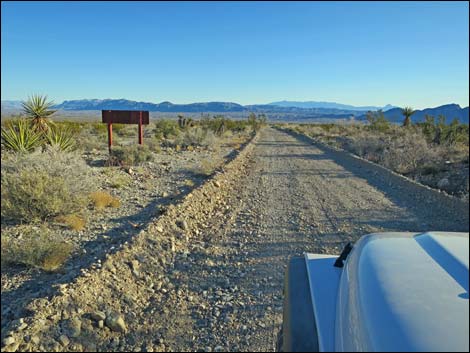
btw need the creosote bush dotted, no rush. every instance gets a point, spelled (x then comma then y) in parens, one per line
(36, 247)
(41, 185)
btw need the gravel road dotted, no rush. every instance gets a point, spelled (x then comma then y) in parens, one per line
(223, 291)
(298, 197)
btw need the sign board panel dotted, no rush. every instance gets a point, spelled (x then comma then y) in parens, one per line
(124, 116)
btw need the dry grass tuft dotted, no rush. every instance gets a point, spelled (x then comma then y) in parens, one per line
(102, 199)
(72, 221)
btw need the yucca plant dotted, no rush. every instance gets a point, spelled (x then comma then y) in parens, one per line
(407, 113)
(37, 108)
(60, 137)
(20, 136)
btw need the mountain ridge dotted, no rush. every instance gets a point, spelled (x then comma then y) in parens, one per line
(333, 105)
(450, 111)
(394, 114)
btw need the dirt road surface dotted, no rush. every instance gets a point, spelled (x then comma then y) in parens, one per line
(225, 292)
(299, 198)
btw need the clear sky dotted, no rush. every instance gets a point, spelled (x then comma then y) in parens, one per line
(359, 53)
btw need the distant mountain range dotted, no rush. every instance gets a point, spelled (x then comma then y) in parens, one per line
(277, 110)
(124, 104)
(450, 111)
(332, 105)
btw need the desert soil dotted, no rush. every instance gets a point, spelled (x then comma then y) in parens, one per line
(207, 275)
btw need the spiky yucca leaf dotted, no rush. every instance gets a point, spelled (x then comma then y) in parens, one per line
(61, 138)
(37, 108)
(19, 136)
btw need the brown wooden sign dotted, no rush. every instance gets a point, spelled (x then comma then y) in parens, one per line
(140, 117)
(125, 116)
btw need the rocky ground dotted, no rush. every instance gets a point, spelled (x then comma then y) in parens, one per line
(207, 274)
(145, 192)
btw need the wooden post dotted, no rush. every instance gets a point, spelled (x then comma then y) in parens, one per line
(141, 137)
(110, 136)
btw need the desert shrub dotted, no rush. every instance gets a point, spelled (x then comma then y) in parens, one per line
(166, 128)
(20, 136)
(196, 137)
(73, 126)
(120, 180)
(256, 122)
(102, 128)
(127, 130)
(44, 184)
(86, 141)
(36, 247)
(365, 145)
(455, 133)
(153, 145)
(130, 155)
(102, 199)
(377, 121)
(218, 124)
(72, 221)
(405, 154)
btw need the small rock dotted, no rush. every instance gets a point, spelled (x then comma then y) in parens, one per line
(100, 324)
(8, 340)
(98, 315)
(116, 322)
(443, 183)
(159, 229)
(218, 349)
(74, 327)
(64, 340)
(35, 340)
(182, 224)
(135, 265)
(217, 184)
(19, 324)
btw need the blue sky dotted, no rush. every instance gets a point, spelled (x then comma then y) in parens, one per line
(360, 53)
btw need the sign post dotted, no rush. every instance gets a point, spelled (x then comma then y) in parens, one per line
(140, 117)
(141, 137)
(110, 136)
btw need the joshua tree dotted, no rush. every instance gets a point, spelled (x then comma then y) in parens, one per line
(407, 113)
(37, 108)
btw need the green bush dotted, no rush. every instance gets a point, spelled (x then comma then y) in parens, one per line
(218, 124)
(41, 185)
(73, 126)
(196, 137)
(130, 155)
(378, 122)
(166, 128)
